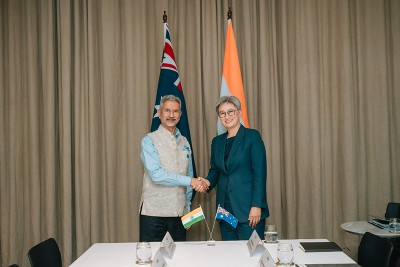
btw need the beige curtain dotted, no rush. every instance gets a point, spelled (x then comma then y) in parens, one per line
(78, 81)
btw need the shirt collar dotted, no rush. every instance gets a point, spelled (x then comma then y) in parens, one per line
(177, 133)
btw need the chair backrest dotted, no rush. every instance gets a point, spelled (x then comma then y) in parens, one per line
(392, 210)
(45, 254)
(13, 265)
(374, 251)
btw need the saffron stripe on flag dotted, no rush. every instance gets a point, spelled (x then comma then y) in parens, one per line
(232, 83)
(193, 217)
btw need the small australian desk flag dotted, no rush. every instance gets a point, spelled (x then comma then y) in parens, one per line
(223, 214)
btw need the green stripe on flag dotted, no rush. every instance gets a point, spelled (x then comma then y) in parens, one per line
(193, 221)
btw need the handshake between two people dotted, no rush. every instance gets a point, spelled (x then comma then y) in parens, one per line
(200, 184)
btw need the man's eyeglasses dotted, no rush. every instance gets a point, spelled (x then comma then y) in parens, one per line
(230, 112)
(175, 112)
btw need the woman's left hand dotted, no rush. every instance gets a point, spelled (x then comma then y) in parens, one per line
(254, 216)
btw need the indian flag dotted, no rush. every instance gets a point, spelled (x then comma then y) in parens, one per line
(232, 83)
(193, 217)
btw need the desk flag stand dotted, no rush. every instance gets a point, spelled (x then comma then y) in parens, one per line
(211, 241)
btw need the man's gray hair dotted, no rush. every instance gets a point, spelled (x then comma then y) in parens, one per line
(228, 99)
(171, 98)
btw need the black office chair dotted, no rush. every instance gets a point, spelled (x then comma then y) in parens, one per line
(392, 210)
(14, 265)
(374, 251)
(397, 263)
(45, 254)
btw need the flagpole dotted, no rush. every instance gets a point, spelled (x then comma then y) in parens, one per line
(231, 82)
(205, 221)
(215, 218)
(169, 83)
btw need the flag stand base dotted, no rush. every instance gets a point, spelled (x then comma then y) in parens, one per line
(211, 242)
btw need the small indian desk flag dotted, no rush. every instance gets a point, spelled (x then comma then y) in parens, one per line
(193, 217)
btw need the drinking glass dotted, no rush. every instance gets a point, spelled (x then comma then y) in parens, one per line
(270, 234)
(285, 254)
(143, 253)
(394, 225)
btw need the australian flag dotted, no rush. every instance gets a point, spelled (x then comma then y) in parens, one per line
(169, 83)
(223, 214)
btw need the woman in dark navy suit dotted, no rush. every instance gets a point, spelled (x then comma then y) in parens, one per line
(238, 165)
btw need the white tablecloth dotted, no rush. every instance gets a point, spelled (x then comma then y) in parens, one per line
(224, 253)
(301, 257)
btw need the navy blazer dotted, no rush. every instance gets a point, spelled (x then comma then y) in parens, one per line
(245, 173)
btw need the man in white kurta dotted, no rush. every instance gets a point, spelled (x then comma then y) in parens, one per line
(168, 177)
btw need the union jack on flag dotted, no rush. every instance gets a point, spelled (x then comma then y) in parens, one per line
(169, 83)
(223, 211)
(223, 214)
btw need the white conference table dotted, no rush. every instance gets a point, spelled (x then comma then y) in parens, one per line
(361, 227)
(301, 257)
(197, 253)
